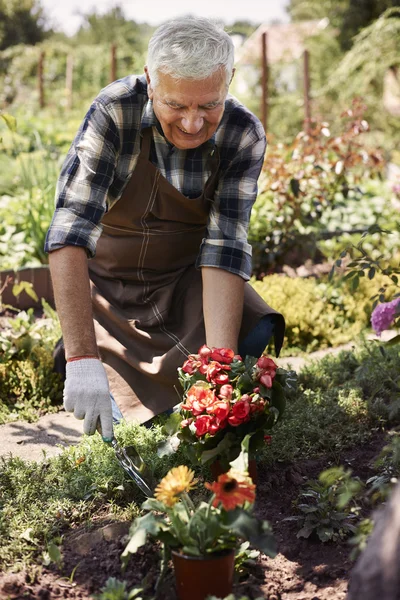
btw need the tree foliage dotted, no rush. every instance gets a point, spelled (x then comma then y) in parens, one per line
(360, 69)
(112, 27)
(348, 16)
(21, 22)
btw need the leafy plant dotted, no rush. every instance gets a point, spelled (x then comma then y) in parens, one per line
(324, 512)
(226, 399)
(210, 527)
(114, 589)
(303, 181)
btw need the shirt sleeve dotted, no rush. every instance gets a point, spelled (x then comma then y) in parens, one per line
(83, 184)
(225, 245)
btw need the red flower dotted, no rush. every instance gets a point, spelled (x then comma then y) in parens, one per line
(226, 391)
(220, 379)
(266, 371)
(212, 369)
(268, 439)
(266, 379)
(266, 363)
(240, 412)
(198, 397)
(204, 352)
(224, 355)
(202, 425)
(238, 357)
(220, 410)
(191, 365)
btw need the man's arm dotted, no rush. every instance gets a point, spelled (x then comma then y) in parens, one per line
(69, 274)
(86, 389)
(222, 307)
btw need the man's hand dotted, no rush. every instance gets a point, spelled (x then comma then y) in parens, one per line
(87, 395)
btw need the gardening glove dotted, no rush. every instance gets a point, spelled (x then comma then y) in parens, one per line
(87, 395)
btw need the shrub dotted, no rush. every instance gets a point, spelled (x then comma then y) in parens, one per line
(305, 181)
(318, 314)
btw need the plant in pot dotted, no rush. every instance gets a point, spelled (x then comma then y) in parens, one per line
(202, 538)
(226, 398)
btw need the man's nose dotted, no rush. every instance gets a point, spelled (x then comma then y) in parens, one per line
(192, 124)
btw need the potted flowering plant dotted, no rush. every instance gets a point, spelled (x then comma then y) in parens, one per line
(202, 538)
(226, 398)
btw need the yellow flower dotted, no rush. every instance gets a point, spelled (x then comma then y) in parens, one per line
(176, 482)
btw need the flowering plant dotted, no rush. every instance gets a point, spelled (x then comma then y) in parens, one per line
(210, 527)
(226, 398)
(386, 315)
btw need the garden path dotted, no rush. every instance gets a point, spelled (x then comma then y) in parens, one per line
(52, 432)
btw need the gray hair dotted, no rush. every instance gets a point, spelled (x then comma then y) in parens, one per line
(190, 48)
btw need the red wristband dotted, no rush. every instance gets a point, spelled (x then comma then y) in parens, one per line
(81, 357)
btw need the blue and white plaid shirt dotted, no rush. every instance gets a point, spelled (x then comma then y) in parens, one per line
(104, 155)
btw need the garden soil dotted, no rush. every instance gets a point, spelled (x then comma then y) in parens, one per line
(302, 570)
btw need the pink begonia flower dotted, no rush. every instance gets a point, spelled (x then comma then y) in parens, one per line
(383, 315)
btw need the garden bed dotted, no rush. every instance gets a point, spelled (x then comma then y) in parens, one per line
(303, 569)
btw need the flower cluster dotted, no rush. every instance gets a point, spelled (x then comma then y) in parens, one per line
(384, 315)
(217, 398)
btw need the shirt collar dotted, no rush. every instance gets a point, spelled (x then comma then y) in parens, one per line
(149, 119)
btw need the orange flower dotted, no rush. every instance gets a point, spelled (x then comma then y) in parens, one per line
(232, 489)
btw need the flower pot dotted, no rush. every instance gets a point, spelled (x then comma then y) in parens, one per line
(200, 576)
(217, 469)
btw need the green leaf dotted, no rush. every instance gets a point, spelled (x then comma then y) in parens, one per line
(278, 399)
(10, 121)
(173, 424)
(295, 187)
(395, 340)
(355, 282)
(247, 527)
(305, 532)
(142, 526)
(325, 533)
(371, 273)
(54, 553)
(24, 286)
(168, 447)
(241, 463)
(222, 447)
(153, 504)
(27, 535)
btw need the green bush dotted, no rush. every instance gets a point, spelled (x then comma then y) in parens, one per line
(28, 385)
(318, 314)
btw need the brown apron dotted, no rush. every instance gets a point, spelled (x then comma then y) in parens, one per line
(147, 293)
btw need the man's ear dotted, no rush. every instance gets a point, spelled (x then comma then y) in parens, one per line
(233, 72)
(149, 86)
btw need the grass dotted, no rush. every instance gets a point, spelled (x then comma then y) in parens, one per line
(341, 401)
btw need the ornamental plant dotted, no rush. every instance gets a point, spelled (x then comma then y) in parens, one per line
(225, 399)
(212, 526)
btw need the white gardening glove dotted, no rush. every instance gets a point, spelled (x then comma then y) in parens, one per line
(87, 395)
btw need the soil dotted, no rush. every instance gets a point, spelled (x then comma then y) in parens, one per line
(302, 570)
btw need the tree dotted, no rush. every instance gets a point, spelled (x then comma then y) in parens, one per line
(111, 27)
(359, 15)
(21, 22)
(348, 16)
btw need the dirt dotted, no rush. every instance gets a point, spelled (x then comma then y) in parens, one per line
(302, 570)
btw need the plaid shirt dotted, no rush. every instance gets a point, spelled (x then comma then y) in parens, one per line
(104, 155)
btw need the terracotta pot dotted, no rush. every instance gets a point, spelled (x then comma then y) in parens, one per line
(217, 470)
(197, 577)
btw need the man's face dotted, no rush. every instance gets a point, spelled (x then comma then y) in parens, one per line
(189, 111)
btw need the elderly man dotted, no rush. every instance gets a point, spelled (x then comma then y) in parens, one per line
(157, 191)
